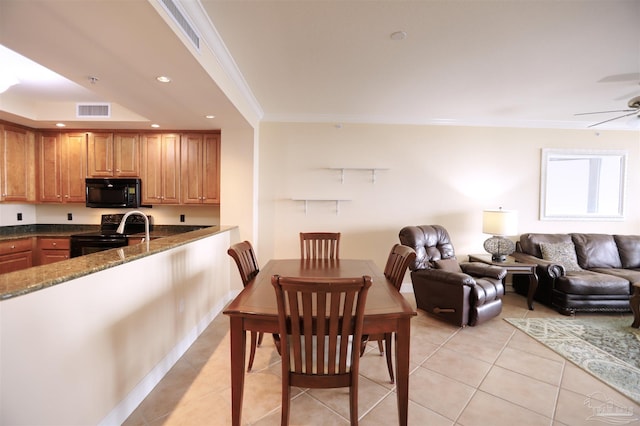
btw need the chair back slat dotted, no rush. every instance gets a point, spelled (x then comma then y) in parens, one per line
(320, 245)
(245, 259)
(321, 330)
(347, 323)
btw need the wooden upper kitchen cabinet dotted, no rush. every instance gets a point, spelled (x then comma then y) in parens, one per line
(161, 169)
(62, 167)
(17, 152)
(200, 168)
(113, 154)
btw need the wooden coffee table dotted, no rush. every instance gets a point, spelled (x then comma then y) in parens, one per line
(634, 301)
(513, 267)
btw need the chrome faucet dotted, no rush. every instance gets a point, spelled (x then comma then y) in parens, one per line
(120, 229)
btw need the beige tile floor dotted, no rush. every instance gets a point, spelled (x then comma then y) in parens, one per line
(491, 374)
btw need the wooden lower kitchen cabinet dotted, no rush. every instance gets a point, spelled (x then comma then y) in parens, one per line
(16, 255)
(51, 250)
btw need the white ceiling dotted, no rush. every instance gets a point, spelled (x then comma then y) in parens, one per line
(504, 63)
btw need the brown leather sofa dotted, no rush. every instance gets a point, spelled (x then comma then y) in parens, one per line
(460, 293)
(601, 280)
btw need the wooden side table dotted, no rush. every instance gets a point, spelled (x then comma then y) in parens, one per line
(634, 301)
(513, 267)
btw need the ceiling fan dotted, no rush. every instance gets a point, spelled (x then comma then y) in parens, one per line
(634, 108)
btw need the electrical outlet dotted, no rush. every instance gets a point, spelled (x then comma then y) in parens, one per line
(181, 218)
(19, 216)
(69, 216)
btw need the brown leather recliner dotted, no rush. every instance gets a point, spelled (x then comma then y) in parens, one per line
(460, 293)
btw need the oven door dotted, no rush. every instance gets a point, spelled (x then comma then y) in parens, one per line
(90, 244)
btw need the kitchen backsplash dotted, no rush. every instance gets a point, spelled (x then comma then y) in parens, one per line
(74, 214)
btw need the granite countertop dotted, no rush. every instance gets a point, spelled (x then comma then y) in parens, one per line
(22, 282)
(42, 231)
(62, 231)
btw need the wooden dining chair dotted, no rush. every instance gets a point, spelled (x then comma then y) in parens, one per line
(247, 263)
(320, 245)
(398, 261)
(320, 318)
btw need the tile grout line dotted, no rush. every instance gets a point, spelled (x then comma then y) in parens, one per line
(477, 388)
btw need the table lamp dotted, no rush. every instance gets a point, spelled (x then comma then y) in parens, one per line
(499, 223)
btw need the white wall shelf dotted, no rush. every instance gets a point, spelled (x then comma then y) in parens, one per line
(373, 170)
(333, 200)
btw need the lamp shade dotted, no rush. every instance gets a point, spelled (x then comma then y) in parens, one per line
(500, 222)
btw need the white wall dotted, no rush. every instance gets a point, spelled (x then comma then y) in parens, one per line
(437, 175)
(89, 350)
(238, 181)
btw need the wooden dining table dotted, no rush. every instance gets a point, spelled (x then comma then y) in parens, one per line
(254, 309)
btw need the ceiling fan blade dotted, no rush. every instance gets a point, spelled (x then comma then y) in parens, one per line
(615, 118)
(605, 112)
(616, 78)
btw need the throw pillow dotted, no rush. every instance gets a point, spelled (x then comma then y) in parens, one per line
(561, 253)
(450, 264)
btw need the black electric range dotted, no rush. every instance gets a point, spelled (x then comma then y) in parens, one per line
(107, 237)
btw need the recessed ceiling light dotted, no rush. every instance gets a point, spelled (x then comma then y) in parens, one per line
(398, 35)
(209, 116)
(155, 126)
(61, 125)
(163, 79)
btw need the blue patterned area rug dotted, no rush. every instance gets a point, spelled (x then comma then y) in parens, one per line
(608, 348)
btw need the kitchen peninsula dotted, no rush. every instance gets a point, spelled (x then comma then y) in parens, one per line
(86, 339)
(32, 279)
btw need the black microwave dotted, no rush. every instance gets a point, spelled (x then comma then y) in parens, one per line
(113, 192)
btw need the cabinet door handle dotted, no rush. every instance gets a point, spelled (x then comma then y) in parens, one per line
(53, 244)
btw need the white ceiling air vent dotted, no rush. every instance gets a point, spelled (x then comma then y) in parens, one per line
(182, 21)
(93, 110)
